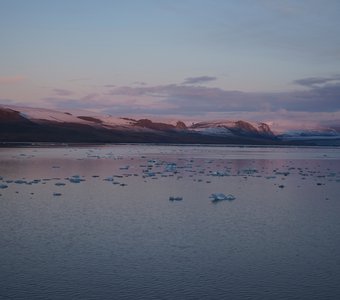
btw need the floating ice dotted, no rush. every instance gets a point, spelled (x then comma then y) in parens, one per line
(149, 174)
(220, 173)
(20, 181)
(170, 167)
(35, 181)
(175, 198)
(220, 197)
(248, 171)
(75, 179)
(109, 179)
(284, 173)
(152, 161)
(124, 168)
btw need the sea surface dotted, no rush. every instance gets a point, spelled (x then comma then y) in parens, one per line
(150, 222)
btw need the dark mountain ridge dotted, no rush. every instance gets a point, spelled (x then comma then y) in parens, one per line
(28, 125)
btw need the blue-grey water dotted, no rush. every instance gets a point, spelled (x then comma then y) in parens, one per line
(97, 223)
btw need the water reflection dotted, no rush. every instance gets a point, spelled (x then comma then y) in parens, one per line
(97, 223)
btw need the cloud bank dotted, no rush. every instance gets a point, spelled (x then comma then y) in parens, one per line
(62, 92)
(198, 80)
(313, 82)
(316, 99)
(320, 95)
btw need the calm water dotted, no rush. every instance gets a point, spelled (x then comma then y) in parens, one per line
(97, 223)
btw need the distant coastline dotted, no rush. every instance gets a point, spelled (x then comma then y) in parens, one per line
(23, 126)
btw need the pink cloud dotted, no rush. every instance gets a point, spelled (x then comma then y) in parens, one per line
(11, 79)
(317, 105)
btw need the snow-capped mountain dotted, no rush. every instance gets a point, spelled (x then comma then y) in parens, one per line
(241, 128)
(24, 124)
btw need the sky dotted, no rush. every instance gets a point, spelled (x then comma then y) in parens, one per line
(260, 60)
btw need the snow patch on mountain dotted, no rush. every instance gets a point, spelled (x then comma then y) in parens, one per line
(159, 125)
(223, 127)
(76, 117)
(42, 114)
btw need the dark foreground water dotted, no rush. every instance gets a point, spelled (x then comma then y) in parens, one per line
(97, 223)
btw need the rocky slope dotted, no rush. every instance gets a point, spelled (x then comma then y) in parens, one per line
(23, 124)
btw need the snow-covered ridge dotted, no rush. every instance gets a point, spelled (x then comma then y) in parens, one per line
(95, 119)
(165, 126)
(228, 127)
(49, 115)
(77, 117)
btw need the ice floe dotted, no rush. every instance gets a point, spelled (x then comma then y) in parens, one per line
(220, 197)
(170, 167)
(3, 186)
(20, 181)
(75, 179)
(172, 198)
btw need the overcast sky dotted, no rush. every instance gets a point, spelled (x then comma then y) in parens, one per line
(251, 59)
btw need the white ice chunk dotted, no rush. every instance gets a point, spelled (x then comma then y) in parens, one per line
(220, 197)
(75, 179)
(20, 181)
(170, 167)
(109, 179)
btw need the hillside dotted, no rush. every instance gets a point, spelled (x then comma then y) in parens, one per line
(28, 125)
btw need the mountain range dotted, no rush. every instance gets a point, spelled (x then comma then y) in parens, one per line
(39, 125)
